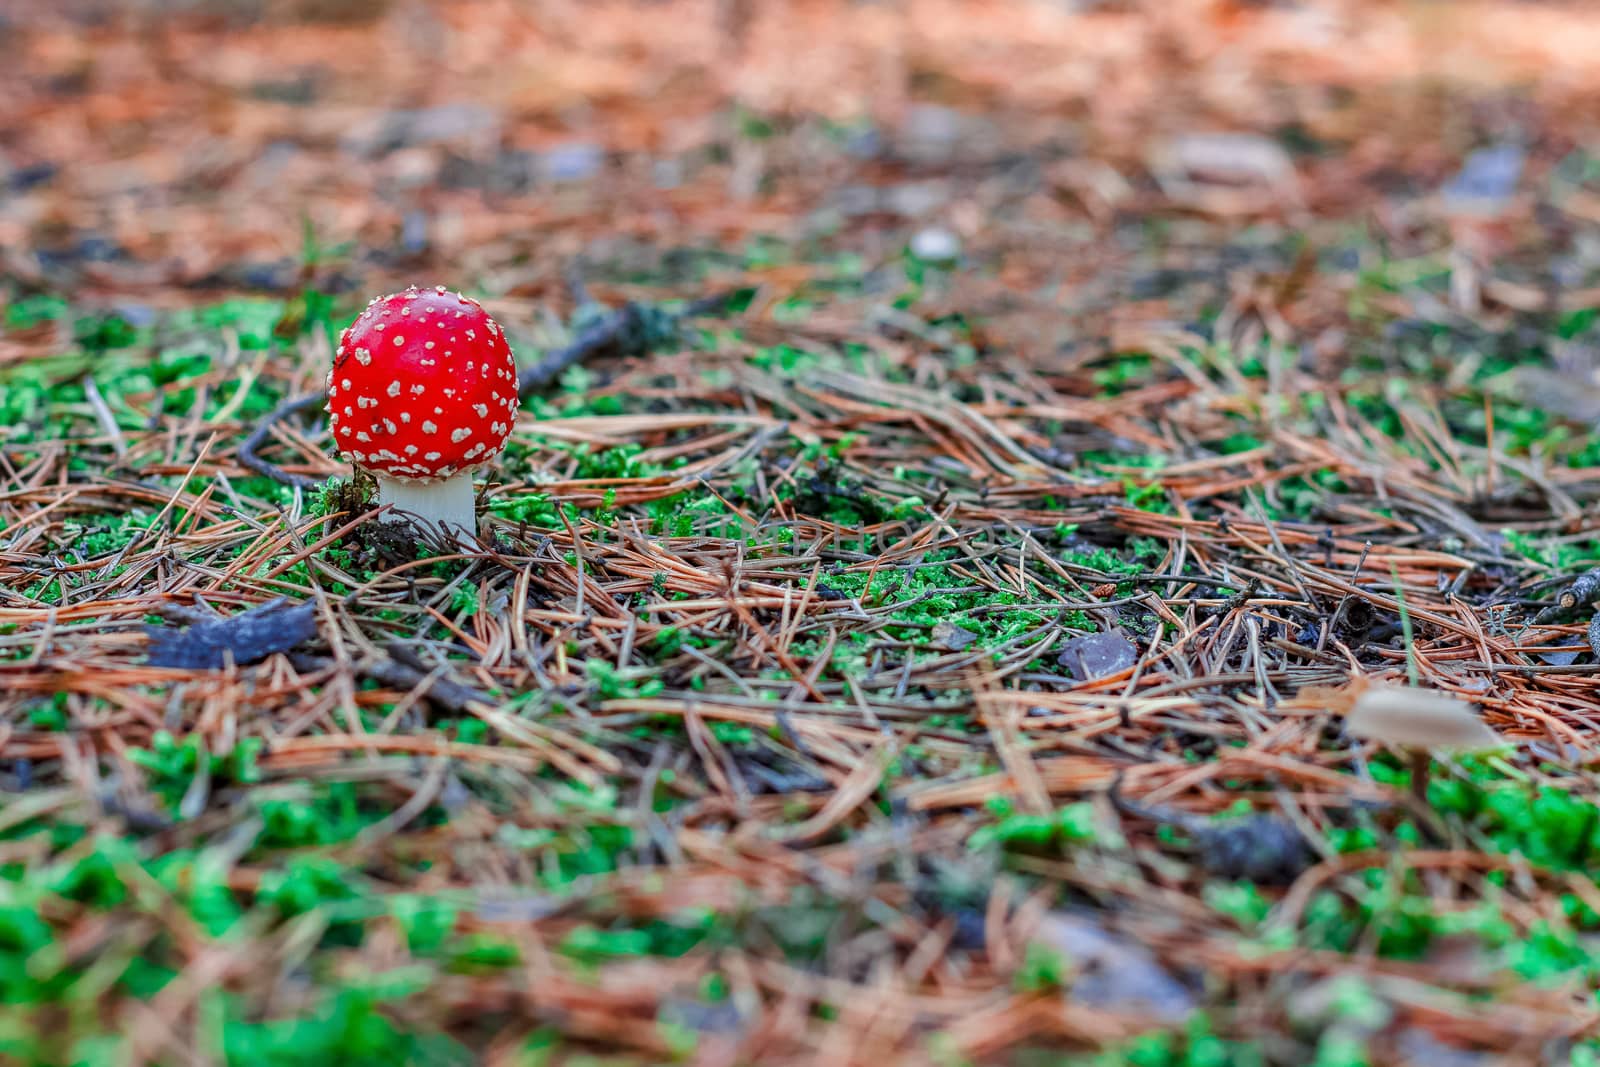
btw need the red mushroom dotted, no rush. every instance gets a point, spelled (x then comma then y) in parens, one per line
(422, 392)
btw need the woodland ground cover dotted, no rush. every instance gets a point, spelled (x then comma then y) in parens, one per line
(1005, 436)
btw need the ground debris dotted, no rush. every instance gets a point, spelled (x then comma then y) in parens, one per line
(1092, 399)
(1112, 971)
(1257, 848)
(1581, 595)
(1486, 181)
(248, 637)
(1097, 655)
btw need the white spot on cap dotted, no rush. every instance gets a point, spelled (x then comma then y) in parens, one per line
(390, 426)
(345, 384)
(405, 416)
(461, 433)
(411, 450)
(363, 356)
(427, 344)
(362, 436)
(417, 390)
(430, 456)
(345, 430)
(482, 410)
(394, 388)
(399, 339)
(429, 427)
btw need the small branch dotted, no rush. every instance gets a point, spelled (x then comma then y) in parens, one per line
(603, 337)
(258, 437)
(391, 673)
(103, 415)
(627, 331)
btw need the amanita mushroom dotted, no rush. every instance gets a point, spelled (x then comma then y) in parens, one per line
(423, 391)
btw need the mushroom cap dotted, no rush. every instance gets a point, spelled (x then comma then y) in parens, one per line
(423, 386)
(1418, 718)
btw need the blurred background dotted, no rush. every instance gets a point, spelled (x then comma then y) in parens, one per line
(153, 151)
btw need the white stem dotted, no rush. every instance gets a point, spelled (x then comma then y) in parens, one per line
(445, 505)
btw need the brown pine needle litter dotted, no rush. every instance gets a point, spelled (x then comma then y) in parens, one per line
(1038, 533)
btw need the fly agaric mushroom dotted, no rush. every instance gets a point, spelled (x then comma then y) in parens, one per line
(422, 392)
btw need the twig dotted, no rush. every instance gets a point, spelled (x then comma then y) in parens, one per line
(1581, 591)
(103, 415)
(392, 674)
(258, 437)
(627, 331)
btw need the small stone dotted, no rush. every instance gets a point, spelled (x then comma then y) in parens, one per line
(913, 199)
(388, 131)
(1567, 395)
(1486, 181)
(952, 638)
(1114, 972)
(1097, 656)
(931, 134)
(1238, 159)
(936, 245)
(414, 233)
(667, 173)
(571, 162)
(1420, 1048)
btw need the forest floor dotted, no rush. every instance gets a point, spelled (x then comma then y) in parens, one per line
(941, 652)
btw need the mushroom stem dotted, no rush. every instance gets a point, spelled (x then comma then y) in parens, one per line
(445, 504)
(1421, 765)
